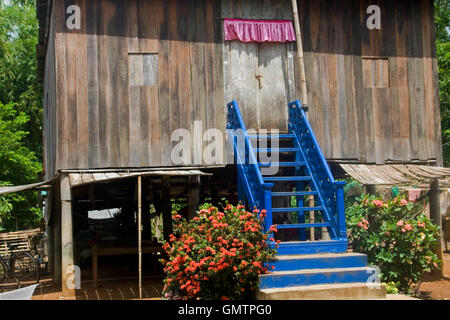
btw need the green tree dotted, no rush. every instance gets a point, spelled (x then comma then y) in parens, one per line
(18, 66)
(442, 19)
(18, 165)
(20, 113)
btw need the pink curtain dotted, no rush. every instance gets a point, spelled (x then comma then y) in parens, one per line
(259, 30)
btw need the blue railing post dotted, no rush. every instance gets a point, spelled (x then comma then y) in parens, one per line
(267, 203)
(339, 186)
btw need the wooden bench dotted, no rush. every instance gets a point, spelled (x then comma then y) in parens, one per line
(116, 251)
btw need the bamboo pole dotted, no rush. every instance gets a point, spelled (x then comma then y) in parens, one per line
(301, 63)
(140, 233)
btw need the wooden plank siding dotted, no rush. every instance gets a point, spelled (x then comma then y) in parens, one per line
(394, 121)
(373, 93)
(106, 118)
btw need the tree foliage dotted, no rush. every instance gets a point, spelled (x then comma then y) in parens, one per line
(20, 113)
(442, 19)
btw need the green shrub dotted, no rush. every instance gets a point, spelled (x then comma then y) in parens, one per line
(216, 255)
(397, 237)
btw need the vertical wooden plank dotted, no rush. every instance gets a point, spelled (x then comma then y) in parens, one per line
(427, 25)
(93, 84)
(183, 58)
(148, 21)
(196, 58)
(402, 27)
(220, 104)
(82, 91)
(163, 90)
(369, 126)
(437, 118)
(62, 151)
(174, 67)
(154, 129)
(122, 82)
(132, 18)
(104, 88)
(137, 140)
(72, 106)
(209, 68)
(418, 54)
(396, 117)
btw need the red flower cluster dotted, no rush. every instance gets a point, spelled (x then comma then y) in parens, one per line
(226, 249)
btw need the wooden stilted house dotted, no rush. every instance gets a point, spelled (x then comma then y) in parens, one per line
(121, 76)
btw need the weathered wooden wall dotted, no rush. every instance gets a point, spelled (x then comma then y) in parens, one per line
(104, 120)
(373, 93)
(397, 121)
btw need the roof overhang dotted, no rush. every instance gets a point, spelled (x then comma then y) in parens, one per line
(77, 179)
(398, 174)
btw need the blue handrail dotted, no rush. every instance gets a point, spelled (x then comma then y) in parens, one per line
(258, 193)
(330, 191)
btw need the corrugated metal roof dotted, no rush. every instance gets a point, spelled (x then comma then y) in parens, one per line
(77, 179)
(397, 174)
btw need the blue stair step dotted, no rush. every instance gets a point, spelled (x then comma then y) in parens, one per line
(319, 261)
(311, 247)
(271, 136)
(294, 178)
(276, 150)
(294, 193)
(303, 225)
(282, 164)
(318, 208)
(308, 277)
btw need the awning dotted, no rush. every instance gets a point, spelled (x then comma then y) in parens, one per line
(38, 185)
(259, 30)
(398, 174)
(77, 179)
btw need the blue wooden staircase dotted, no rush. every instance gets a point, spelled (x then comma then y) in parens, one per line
(282, 187)
(302, 170)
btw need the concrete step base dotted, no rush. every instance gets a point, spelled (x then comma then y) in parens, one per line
(341, 291)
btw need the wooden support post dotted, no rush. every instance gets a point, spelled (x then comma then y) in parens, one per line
(166, 207)
(67, 264)
(49, 232)
(193, 195)
(140, 233)
(57, 267)
(301, 63)
(371, 189)
(435, 217)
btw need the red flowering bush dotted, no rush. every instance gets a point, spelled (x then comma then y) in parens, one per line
(396, 236)
(216, 255)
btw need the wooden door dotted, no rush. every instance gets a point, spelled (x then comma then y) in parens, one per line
(260, 77)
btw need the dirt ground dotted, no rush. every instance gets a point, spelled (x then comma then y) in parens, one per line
(438, 289)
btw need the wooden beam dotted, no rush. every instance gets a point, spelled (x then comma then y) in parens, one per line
(67, 264)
